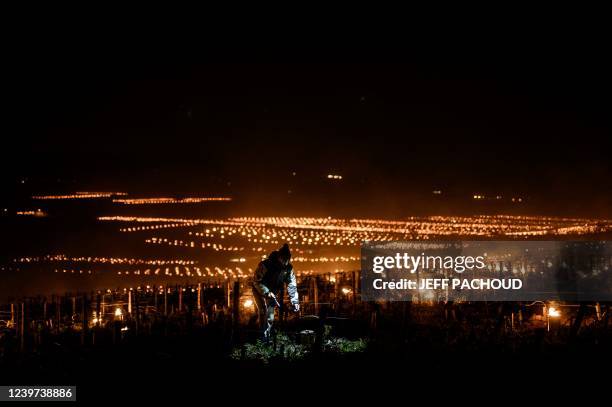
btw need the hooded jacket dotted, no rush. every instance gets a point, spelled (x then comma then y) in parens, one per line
(270, 276)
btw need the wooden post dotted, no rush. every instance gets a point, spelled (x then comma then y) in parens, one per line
(84, 318)
(155, 297)
(98, 310)
(311, 284)
(189, 309)
(22, 327)
(354, 296)
(228, 294)
(130, 301)
(199, 297)
(373, 319)
(73, 305)
(180, 295)
(578, 321)
(103, 310)
(236, 305)
(316, 294)
(165, 300)
(58, 312)
(12, 315)
(337, 291)
(137, 311)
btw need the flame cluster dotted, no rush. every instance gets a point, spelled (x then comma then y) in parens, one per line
(164, 200)
(80, 195)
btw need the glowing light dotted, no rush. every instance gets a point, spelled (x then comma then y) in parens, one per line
(248, 303)
(554, 312)
(37, 212)
(103, 260)
(247, 240)
(80, 195)
(165, 200)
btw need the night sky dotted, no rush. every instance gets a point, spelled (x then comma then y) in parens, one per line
(533, 125)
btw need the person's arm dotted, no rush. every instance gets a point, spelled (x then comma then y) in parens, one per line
(292, 290)
(258, 280)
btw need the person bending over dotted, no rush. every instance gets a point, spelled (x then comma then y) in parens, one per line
(270, 276)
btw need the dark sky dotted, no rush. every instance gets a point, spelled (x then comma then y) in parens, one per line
(533, 124)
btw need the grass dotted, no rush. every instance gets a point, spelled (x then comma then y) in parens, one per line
(286, 349)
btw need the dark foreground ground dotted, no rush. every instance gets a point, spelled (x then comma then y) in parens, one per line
(425, 363)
